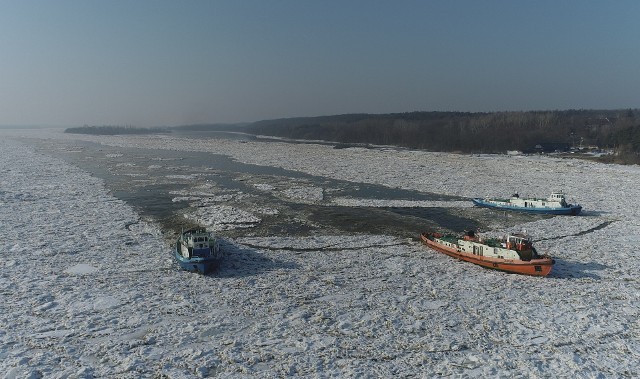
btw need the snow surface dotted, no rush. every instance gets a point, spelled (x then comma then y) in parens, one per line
(88, 289)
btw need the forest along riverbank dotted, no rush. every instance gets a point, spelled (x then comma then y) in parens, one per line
(164, 185)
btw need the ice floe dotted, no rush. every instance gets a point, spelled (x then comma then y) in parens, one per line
(222, 217)
(90, 290)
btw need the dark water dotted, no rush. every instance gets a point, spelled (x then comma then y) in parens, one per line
(146, 178)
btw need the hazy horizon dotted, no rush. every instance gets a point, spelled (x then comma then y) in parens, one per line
(162, 63)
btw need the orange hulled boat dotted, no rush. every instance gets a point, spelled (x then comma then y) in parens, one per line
(515, 253)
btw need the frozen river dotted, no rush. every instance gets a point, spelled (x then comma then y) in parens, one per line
(323, 275)
(162, 183)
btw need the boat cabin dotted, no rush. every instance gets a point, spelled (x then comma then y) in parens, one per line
(555, 200)
(514, 246)
(196, 243)
(558, 197)
(518, 242)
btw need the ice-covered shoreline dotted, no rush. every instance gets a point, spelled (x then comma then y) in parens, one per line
(103, 299)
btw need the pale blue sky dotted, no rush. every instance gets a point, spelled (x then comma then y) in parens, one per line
(154, 63)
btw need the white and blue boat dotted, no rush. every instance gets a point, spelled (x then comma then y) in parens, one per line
(198, 250)
(555, 204)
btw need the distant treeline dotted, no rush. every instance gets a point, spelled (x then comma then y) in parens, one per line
(211, 127)
(114, 130)
(496, 132)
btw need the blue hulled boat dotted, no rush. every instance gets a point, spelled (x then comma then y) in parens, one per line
(555, 204)
(198, 250)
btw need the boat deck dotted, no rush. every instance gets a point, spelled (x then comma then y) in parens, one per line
(450, 239)
(493, 242)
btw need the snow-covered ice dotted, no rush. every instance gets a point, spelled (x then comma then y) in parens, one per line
(89, 289)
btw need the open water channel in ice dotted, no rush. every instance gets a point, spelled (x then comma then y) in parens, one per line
(164, 185)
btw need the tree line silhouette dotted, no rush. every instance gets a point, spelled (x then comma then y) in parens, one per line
(495, 132)
(114, 130)
(616, 131)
